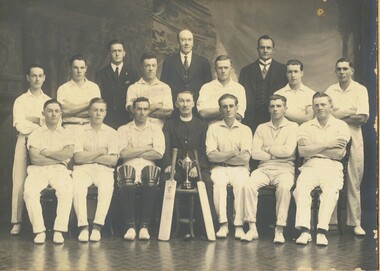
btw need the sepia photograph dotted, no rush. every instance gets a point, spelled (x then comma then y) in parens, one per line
(189, 135)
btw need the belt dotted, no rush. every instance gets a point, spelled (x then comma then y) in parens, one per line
(320, 157)
(226, 165)
(74, 122)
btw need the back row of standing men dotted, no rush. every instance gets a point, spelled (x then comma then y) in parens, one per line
(119, 87)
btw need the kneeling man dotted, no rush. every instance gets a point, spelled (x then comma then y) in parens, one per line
(96, 154)
(50, 148)
(141, 143)
(322, 142)
(274, 144)
(228, 146)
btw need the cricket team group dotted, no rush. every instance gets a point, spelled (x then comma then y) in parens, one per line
(118, 133)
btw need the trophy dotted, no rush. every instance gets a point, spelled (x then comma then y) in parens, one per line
(186, 164)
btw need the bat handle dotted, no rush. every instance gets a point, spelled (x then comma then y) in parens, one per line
(197, 164)
(174, 158)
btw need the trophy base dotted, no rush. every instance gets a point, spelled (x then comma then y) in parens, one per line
(186, 185)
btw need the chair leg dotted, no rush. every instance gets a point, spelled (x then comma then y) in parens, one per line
(339, 215)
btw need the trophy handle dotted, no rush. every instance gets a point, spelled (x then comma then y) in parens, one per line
(180, 162)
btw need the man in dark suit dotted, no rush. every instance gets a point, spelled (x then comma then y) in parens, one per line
(260, 80)
(186, 70)
(187, 133)
(114, 80)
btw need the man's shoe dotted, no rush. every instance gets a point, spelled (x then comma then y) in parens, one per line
(16, 229)
(95, 235)
(358, 230)
(252, 234)
(322, 240)
(304, 238)
(278, 236)
(130, 235)
(223, 231)
(58, 238)
(83, 236)
(239, 232)
(40, 238)
(144, 234)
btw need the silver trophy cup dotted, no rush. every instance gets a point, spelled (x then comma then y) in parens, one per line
(187, 164)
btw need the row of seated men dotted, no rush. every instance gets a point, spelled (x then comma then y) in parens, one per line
(96, 147)
(118, 86)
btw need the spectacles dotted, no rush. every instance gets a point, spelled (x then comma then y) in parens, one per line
(342, 69)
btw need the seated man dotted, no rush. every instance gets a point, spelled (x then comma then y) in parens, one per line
(228, 146)
(50, 148)
(140, 144)
(322, 142)
(96, 153)
(274, 144)
(187, 133)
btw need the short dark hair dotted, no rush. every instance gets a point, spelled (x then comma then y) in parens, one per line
(97, 100)
(277, 97)
(31, 66)
(52, 101)
(77, 57)
(147, 55)
(188, 29)
(345, 59)
(115, 41)
(185, 92)
(140, 99)
(227, 96)
(295, 62)
(264, 37)
(221, 58)
(321, 95)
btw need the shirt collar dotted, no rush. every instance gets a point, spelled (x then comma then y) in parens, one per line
(113, 66)
(189, 56)
(188, 119)
(315, 121)
(143, 82)
(284, 123)
(267, 62)
(88, 127)
(30, 94)
(75, 84)
(59, 128)
(301, 88)
(235, 124)
(134, 126)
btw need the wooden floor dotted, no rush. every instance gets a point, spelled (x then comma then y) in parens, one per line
(345, 252)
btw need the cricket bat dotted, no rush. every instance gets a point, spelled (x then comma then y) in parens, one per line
(206, 212)
(168, 202)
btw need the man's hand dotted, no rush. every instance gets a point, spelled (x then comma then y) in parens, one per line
(336, 143)
(168, 169)
(193, 173)
(304, 142)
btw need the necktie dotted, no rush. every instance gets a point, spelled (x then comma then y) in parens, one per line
(265, 70)
(186, 64)
(117, 71)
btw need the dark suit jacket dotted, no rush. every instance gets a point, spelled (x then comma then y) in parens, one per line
(173, 73)
(250, 77)
(114, 90)
(175, 136)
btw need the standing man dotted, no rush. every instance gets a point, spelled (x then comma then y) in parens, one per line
(27, 117)
(95, 155)
(114, 80)
(209, 94)
(274, 144)
(50, 148)
(299, 97)
(158, 93)
(260, 80)
(186, 70)
(76, 94)
(228, 146)
(187, 133)
(322, 142)
(350, 101)
(140, 145)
